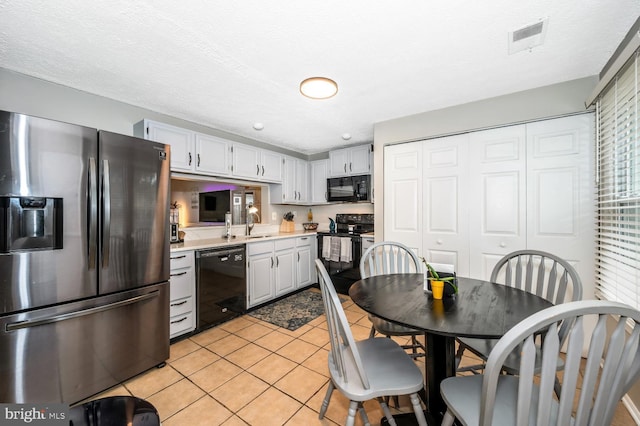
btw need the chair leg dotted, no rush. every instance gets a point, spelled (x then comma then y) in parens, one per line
(363, 415)
(417, 408)
(327, 398)
(459, 354)
(448, 419)
(372, 333)
(387, 412)
(351, 415)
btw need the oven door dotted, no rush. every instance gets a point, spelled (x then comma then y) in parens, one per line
(341, 189)
(343, 273)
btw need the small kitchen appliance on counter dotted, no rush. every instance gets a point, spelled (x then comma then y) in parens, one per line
(343, 263)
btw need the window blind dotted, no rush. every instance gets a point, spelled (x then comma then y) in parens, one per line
(618, 186)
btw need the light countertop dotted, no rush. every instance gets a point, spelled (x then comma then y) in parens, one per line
(240, 239)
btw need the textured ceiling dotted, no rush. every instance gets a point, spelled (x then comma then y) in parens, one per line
(229, 64)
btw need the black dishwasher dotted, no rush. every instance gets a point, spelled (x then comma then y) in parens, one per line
(220, 284)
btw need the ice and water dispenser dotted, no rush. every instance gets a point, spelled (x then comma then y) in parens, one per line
(30, 223)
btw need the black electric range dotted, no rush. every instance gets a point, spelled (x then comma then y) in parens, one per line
(344, 272)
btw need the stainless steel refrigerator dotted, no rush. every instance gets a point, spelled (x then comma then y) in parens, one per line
(84, 259)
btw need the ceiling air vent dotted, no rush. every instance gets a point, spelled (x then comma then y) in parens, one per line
(528, 37)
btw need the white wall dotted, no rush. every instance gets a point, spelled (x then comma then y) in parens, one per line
(535, 104)
(28, 95)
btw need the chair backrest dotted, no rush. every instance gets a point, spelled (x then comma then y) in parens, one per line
(343, 345)
(541, 273)
(388, 258)
(611, 368)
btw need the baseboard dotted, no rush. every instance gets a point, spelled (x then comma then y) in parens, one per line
(631, 407)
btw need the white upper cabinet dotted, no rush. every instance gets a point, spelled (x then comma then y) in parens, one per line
(254, 163)
(181, 141)
(212, 155)
(191, 152)
(350, 161)
(294, 187)
(318, 174)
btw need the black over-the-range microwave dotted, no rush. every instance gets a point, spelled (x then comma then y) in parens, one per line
(349, 188)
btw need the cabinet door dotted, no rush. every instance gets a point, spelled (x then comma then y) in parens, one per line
(261, 278)
(403, 205)
(304, 265)
(301, 181)
(246, 162)
(497, 198)
(445, 201)
(212, 155)
(271, 166)
(288, 180)
(338, 160)
(181, 141)
(359, 161)
(285, 272)
(318, 181)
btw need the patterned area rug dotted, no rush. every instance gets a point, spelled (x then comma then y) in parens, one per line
(294, 311)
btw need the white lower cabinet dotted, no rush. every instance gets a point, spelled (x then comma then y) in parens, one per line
(182, 287)
(304, 261)
(278, 267)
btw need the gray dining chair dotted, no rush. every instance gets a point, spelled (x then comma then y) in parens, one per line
(591, 388)
(365, 369)
(538, 272)
(392, 258)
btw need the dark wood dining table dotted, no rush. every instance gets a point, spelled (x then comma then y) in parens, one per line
(480, 309)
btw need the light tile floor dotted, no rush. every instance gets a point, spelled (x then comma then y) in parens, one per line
(248, 371)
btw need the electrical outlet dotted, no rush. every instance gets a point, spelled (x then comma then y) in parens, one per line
(274, 216)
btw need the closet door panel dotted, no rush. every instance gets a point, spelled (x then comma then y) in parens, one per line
(497, 215)
(560, 191)
(403, 194)
(446, 207)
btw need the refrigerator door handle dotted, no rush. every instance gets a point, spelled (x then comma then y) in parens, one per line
(92, 213)
(106, 211)
(76, 314)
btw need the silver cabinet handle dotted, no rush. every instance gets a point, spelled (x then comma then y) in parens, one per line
(257, 169)
(198, 163)
(345, 167)
(262, 170)
(179, 303)
(272, 262)
(189, 158)
(277, 261)
(298, 257)
(178, 274)
(350, 168)
(180, 320)
(179, 257)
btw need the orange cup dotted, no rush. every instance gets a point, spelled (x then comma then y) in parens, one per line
(437, 288)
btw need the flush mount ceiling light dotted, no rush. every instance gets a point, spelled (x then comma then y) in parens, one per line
(318, 88)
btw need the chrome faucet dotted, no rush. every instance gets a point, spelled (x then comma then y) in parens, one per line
(227, 224)
(251, 212)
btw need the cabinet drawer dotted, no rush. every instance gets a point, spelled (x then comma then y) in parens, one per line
(304, 241)
(261, 247)
(180, 306)
(289, 243)
(181, 259)
(181, 324)
(181, 284)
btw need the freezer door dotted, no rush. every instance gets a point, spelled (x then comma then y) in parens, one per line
(135, 190)
(45, 180)
(69, 352)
